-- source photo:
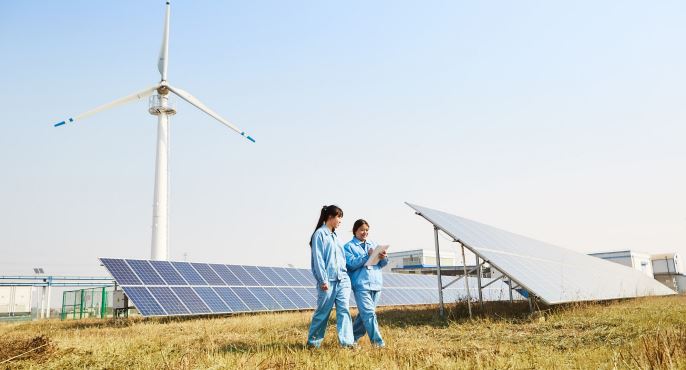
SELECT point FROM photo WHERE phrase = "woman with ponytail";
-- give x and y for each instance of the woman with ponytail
(333, 283)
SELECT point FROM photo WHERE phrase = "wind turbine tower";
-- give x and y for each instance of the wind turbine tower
(160, 107)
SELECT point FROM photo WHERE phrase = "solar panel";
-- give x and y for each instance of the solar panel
(212, 300)
(298, 277)
(242, 275)
(281, 298)
(189, 273)
(287, 277)
(145, 272)
(249, 299)
(168, 273)
(120, 271)
(552, 273)
(297, 298)
(226, 274)
(191, 300)
(161, 288)
(169, 301)
(259, 277)
(231, 299)
(266, 299)
(147, 305)
(208, 274)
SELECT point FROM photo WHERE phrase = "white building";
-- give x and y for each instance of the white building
(423, 261)
(636, 260)
(669, 270)
(667, 263)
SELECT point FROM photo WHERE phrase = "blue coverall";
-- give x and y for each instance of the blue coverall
(328, 265)
(367, 282)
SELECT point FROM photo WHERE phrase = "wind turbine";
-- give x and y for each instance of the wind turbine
(159, 106)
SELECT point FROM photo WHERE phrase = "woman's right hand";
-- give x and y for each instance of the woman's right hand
(324, 287)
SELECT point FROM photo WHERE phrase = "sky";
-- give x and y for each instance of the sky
(562, 121)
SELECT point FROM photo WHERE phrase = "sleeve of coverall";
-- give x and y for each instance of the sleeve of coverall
(352, 261)
(319, 267)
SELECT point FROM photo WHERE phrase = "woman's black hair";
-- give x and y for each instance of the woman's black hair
(358, 224)
(326, 213)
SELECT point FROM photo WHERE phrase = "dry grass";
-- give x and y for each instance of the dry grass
(647, 333)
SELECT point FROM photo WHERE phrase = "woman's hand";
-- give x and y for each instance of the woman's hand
(324, 287)
(382, 255)
(370, 251)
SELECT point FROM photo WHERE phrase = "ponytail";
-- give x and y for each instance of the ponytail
(326, 213)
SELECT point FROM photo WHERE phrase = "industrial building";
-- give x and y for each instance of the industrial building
(423, 261)
(666, 268)
(637, 260)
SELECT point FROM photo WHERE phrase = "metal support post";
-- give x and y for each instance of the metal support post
(509, 284)
(441, 309)
(531, 301)
(478, 281)
(466, 283)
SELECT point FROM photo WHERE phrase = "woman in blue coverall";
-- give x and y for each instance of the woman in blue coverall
(333, 283)
(367, 282)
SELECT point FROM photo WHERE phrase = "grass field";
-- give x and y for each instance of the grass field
(639, 333)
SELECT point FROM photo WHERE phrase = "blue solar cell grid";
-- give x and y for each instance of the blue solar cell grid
(260, 277)
(226, 275)
(208, 274)
(145, 303)
(249, 299)
(211, 298)
(120, 271)
(231, 299)
(188, 272)
(243, 275)
(282, 298)
(145, 272)
(266, 299)
(191, 300)
(168, 273)
(168, 300)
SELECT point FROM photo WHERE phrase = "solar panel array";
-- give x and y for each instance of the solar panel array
(554, 274)
(163, 288)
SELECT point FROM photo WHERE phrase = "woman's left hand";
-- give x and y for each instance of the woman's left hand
(382, 255)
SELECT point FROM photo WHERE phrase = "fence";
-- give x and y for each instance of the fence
(82, 303)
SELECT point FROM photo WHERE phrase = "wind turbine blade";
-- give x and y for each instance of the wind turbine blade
(198, 104)
(127, 99)
(164, 50)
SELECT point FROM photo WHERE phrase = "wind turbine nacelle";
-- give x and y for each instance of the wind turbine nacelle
(161, 104)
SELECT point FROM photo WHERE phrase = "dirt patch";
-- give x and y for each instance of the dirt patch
(37, 348)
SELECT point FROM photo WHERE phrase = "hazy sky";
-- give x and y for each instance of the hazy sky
(563, 121)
